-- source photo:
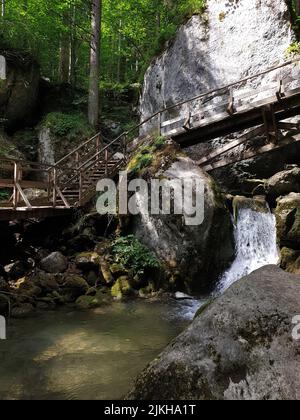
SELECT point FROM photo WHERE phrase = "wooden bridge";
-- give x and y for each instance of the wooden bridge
(71, 182)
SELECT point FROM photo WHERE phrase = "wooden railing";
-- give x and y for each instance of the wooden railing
(71, 181)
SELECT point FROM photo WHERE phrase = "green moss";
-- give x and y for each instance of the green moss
(70, 126)
(145, 156)
(293, 49)
(121, 288)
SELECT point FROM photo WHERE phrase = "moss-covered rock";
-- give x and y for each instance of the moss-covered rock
(288, 221)
(95, 301)
(73, 287)
(290, 260)
(182, 248)
(121, 288)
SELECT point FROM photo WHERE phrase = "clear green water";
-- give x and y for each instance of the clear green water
(85, 355)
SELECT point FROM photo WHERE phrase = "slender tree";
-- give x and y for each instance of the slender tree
(93, 108)
(64, 62)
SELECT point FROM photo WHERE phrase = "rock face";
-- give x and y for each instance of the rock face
(210, 51)
(19, 92)
(194, 256)
(240, 347)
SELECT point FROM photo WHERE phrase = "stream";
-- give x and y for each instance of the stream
(86, 355)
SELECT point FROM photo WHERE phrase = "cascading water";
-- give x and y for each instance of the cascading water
(255, 242)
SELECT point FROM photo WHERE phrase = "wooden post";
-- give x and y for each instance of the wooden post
(106, 162)
(230, 108)
(80, 188)
(54, 186)
(77, 159)
(159, 123)
(16, 192)
(125, 147)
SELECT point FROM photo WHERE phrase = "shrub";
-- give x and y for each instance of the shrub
(131, 254)
(68, 125)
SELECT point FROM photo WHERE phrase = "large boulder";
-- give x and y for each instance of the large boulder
(54, 263)
(19, 92)
(184, 250)
(239, 347)
(209, 52)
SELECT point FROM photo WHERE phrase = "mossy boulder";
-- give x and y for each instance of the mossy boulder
(181, 247)
(105, 270)
(73, 287)
(25, 288)
(122, 288)
(288, 221)
(23, 310)
(93, 301)
(290, 260)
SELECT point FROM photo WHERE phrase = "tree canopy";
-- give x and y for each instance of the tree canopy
(58, 34)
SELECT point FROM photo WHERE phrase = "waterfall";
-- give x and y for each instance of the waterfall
(255, 242)
(46, 150)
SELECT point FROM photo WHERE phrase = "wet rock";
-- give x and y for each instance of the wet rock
(240, 347)
(87, 261)
(89, 302)
(74, 286)
(290, 260)
(54, 263)
(23, 311)
(26, 289)
(47, 282)
(122, 288)
(105, 270)
(283, 183)
(288, 221)
(15, 270)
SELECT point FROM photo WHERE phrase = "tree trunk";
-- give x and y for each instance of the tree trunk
(73, 64)
(93, 112)
(2, 8)
(64, 62)
(297, 7)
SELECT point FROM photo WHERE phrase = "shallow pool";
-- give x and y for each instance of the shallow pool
(86, 355)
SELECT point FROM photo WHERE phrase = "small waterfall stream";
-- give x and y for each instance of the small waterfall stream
(256, 246)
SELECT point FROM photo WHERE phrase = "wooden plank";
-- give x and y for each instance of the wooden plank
(6, 183)
(34, 185)
(249, 154)
(231, 145)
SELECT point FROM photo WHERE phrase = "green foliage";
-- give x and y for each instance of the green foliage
(294, 49)
(70, 126)
(134, 256)
(145, 155)
(295, 17)
(132, 32)
(4, 195)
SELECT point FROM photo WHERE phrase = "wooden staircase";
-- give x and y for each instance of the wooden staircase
(70, 183)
